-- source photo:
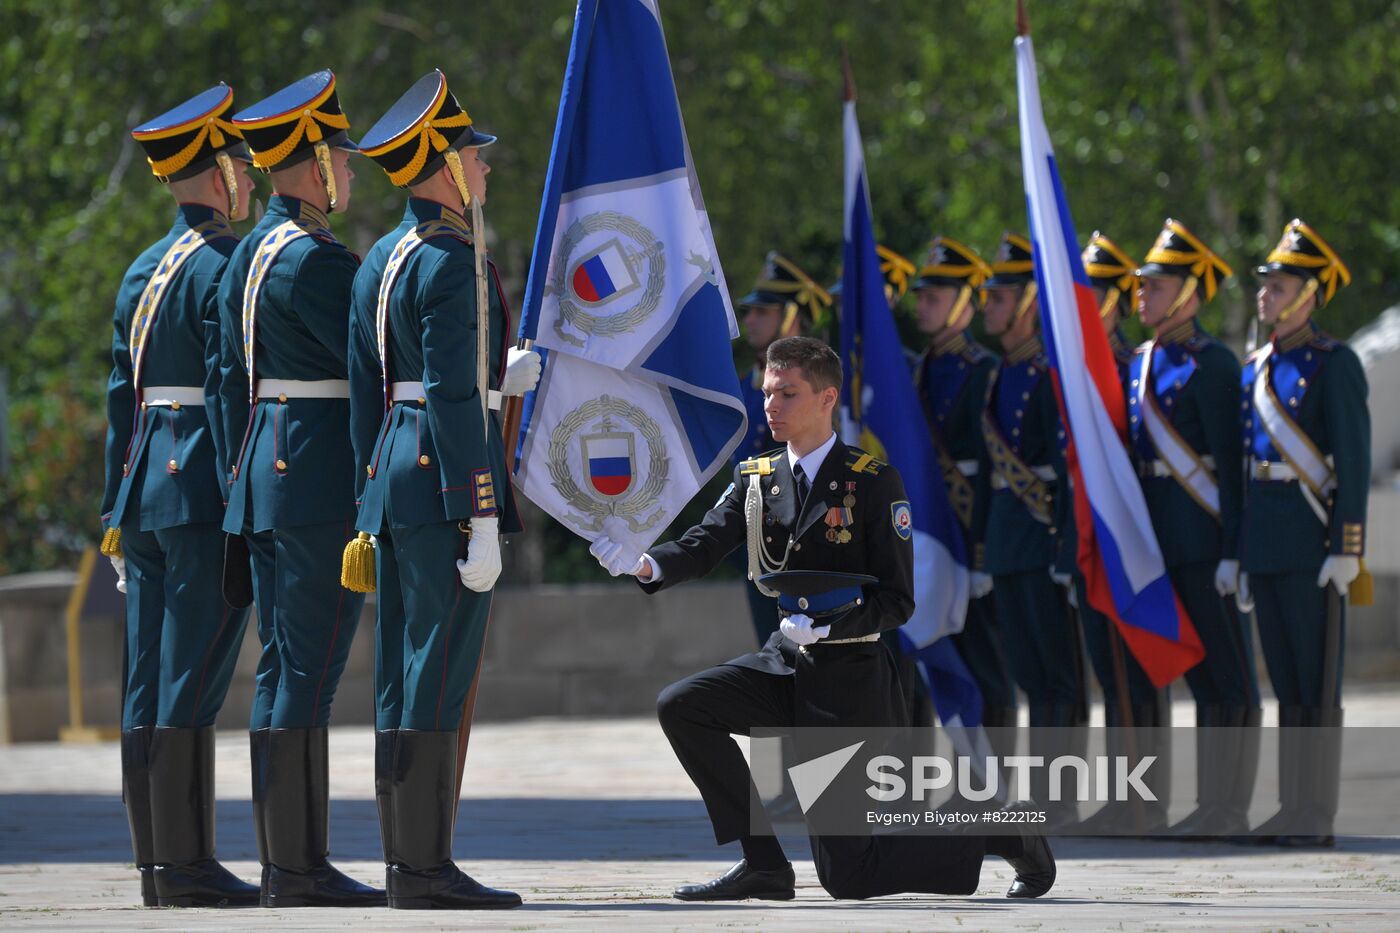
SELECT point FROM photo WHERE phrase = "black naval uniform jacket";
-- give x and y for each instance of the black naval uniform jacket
(850, 682)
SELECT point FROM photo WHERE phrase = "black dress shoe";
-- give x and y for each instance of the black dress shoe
(148, 885)
(1035, 867)
(1327, 841)
(742, 882)
(446, 887)
(204, 883)
(322, 886)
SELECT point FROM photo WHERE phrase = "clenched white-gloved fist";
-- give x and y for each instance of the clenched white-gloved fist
(1244, 599)
(615, 558)
(799, 631)
(119, 565)
(1339, 571)
(522, 372)
(483, 564)
(1061, 579)
(981, 584)
(1227, 577)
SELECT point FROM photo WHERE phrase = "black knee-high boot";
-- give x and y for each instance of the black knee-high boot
(182, 824)
(136, 794)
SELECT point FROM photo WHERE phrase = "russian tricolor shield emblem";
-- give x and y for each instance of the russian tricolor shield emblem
(605, 273)
(609, 461)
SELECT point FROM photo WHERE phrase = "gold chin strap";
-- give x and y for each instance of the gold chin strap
(459, 176)
(1027, 299)
(230, 181)
(323, 159)
(789, 317)
(1110, 301)
(1188, 288)
(963, 302)
(1309, 289)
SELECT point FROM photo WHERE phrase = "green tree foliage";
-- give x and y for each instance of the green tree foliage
(1230, 115)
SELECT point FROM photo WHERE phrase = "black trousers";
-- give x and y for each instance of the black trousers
(701, 714)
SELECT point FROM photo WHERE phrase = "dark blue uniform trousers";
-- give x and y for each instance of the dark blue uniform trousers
(431, 629)
(1292, 613)
(181, 637)
(1041, 644)
(306, 622)
(1226, 676)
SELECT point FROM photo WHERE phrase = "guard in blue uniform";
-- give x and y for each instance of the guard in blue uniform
(1113, 275)
(163, 503)
(952, 375)
(784, 302)
(1308, 440)
(434, 486)
(1022, 454)
(1183, 392)
(285, 309)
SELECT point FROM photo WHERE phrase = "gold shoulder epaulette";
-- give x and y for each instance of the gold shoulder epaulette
(761, 466)
(864, 463)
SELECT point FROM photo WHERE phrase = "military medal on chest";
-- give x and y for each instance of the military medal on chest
(839, 518)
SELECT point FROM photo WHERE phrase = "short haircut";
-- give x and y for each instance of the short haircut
(819, 363)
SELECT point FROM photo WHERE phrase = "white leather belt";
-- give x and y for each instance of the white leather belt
(967, 467)
(413, 392)
(1275, 471)
(172, 396)
(1160, 470)
(283, 389)
(1045, 473)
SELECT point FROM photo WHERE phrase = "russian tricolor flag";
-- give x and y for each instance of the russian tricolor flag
(1118, 551)
(603, 275)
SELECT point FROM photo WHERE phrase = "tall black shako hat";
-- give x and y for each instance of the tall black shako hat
(894, 268)
(1302, 252)
(783, 283)
(301, 121)
(1179, 252)
(1112, 269)
(411, 141)
(187, 139)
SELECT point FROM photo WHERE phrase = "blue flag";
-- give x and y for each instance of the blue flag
(882, 414)
(638, 404)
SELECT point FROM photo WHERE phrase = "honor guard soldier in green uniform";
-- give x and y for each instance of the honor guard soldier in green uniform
(1022, 451)
(1183, 393)
(784, 302)
(1113, 275)
(285, 306)
(428, 367)
(952, 375)
(1308, 440)
(833, 511)
(164, 501)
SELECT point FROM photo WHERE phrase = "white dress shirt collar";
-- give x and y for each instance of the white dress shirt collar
(813, 461)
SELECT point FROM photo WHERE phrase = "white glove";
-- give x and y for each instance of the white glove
(119, 565)
(483, 564)
(522, 372)
(1244, 599)
(615, 558)
(1339, 571)
(1227, 577)
(981, 584)
(1061, 579)
(799, 631)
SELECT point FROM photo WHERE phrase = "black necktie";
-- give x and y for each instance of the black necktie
(804, 485)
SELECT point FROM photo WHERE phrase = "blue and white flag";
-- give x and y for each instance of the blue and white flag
(881, 413)
(638, 404)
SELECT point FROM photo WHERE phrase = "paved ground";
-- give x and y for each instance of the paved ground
(594, 823)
